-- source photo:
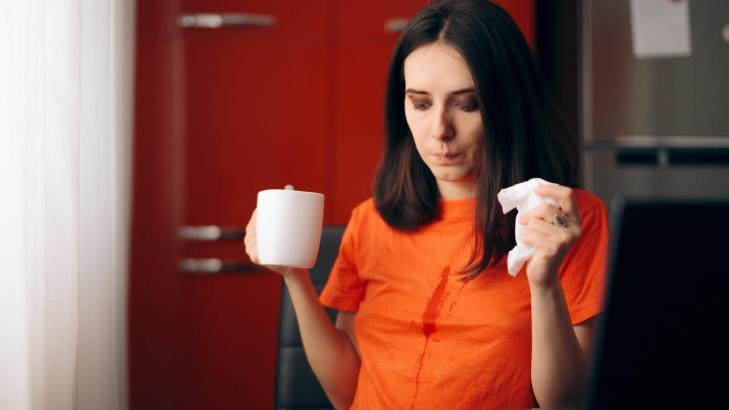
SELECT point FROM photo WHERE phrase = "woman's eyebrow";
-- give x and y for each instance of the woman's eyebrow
(461, 91)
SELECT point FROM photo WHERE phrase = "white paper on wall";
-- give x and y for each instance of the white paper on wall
(660, 28)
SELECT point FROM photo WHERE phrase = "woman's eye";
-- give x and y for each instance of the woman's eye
(468, 106)
(421, 105)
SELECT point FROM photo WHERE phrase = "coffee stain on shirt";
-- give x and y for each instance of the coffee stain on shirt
(430, 320)
(432, 310)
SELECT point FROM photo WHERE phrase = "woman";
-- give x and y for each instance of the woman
(428, 315)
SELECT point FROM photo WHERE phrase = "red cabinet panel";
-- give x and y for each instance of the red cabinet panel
(255, 118)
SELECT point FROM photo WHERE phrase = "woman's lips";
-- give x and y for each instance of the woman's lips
(446, 158)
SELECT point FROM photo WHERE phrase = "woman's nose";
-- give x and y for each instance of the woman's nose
(442, 128)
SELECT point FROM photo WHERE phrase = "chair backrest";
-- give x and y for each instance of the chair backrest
(658, 343)
(296, 385)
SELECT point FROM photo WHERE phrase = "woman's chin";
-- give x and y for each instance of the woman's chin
(453, 177)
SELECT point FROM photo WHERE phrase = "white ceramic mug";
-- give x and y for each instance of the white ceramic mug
(288, 227)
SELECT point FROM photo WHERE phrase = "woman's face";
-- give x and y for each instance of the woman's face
(444, 117)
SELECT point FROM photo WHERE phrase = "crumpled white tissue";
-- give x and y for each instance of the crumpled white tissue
(522, 197)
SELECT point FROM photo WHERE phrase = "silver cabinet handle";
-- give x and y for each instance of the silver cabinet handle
(210, 233)
(395, 25)
(218, 20)
(213, 265)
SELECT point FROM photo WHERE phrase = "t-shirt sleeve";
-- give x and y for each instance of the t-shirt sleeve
(583, 272)
(344, 290)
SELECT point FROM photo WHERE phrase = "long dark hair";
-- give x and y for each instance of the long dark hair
(525, 135)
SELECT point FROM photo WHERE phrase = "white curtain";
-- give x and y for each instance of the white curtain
(65, 127)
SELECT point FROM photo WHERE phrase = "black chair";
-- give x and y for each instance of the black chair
(296, 385)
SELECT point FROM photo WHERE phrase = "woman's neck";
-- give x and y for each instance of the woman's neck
(454, 190)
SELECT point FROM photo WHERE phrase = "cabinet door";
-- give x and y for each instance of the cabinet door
(255, 119)
(245, 109)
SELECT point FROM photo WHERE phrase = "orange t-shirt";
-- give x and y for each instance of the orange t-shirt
(429, 340)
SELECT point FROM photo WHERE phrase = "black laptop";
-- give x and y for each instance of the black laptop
(662, 341)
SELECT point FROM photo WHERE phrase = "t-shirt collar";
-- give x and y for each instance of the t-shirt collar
(457, 208)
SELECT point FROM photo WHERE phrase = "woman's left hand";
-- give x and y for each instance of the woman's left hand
(552, 230)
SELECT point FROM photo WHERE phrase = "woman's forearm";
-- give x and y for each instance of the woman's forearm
(331, 355)
(559, 366)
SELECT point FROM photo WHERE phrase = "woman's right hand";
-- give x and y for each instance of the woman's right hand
(251, 247)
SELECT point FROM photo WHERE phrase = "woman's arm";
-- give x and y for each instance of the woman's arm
(329, 349)
(559, 349)
(331, 354)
